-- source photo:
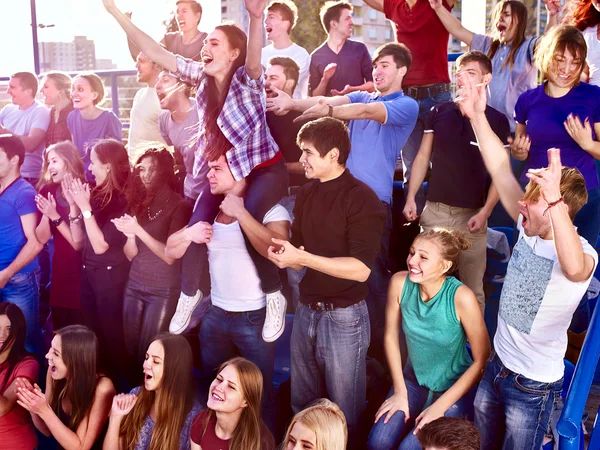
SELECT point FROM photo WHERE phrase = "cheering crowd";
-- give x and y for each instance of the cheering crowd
(259, 181)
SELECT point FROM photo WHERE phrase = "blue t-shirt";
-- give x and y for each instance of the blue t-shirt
(376, 146)
(86, 132)
(16, 200)
(544, 117)
(353, 61)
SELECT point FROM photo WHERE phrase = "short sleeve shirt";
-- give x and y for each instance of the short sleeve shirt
(376, 146)
(508, 81)
(544, 117)
(458, 175)
(242, 119)
(20, 122)
(354, 66)
(300, 56)
(16, 200)
(420, 29)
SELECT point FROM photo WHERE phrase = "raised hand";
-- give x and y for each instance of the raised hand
(553, 7)
(122, 404)
(255, 7)
(109, 5)
(65, 184)
(397, 402)
(81, 194)
(435, 4)
(580, 132)
(471, 98)
(519, 146)
(47, 206)
(280, 102)
(329, 71)
(549, 178)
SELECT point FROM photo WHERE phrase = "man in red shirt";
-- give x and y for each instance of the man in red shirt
(428, 81)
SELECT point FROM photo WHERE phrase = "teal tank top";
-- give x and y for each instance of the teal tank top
(435, 338)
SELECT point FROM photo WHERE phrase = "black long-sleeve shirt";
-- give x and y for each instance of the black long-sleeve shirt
(342, 217)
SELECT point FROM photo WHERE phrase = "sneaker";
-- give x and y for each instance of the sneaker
(183, 314)
(275, 319)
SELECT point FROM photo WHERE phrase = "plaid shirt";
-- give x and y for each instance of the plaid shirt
(242, 119)
(58, 131)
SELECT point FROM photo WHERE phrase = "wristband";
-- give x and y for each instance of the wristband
(560, 200)
(57, 222)
(330, 112)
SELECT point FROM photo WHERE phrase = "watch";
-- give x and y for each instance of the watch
(57, 222)
(87, 214)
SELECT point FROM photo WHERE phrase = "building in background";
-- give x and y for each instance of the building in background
(105, 64)
(79, 54)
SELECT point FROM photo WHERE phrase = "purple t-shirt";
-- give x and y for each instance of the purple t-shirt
(544, 117)
(86, 132)
(17, 200)
(354, 66)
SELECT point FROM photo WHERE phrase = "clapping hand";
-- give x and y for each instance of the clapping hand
(127, 225)
(33, 400)
(122, 404)
(47, 206)
(81, 194)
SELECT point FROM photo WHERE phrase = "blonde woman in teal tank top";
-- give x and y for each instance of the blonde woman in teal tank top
(439, 315)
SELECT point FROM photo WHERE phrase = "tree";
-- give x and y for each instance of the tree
(309, 32)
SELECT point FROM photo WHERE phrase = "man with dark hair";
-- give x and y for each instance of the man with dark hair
(335, 235)
(460, 192)
(418, 26)
(28, 119)
(19, 270)
(339, 66)
(548, 273)
(449, 433)
(380, 124)
(281, 17)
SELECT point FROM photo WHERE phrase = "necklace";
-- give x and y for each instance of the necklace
(154, 216)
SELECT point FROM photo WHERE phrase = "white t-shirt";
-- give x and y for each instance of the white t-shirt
(143, 131)
(20, 122)
(300, 56)
(593, 54)
(536, 307)
(235, 285)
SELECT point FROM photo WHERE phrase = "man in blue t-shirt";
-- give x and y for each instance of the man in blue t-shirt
(380, 124)
(19, 270)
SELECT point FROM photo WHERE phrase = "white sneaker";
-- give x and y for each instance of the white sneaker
(275, 319)
(183, 314)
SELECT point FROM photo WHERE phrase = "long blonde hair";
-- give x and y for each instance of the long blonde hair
(247, 434)
(173, 403)
(327, 421)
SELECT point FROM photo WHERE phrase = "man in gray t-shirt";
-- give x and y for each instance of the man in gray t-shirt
(27, 119)
(179, 128)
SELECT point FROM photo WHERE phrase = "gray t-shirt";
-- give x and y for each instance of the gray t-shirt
(20, 122)
(183, 136)
(508, 83)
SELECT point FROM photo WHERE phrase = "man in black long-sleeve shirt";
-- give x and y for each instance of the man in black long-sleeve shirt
(335, 235)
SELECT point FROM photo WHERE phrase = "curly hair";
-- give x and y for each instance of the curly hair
(139, 197)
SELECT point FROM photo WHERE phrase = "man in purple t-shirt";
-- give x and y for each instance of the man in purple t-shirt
(339, 66)
(19, 270)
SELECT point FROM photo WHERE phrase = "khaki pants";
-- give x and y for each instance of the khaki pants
(471, 265)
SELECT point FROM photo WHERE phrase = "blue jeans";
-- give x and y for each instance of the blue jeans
(378, 282)
(410, 150)
(328, 355)
(511, 411)
(224, 335)
(266, 187)
(399, 435)
(23, 289)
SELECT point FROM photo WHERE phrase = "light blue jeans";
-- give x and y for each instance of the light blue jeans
(513, 412)
(328, 354)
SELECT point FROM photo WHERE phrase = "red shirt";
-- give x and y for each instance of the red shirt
(423, 33)
(16, 428)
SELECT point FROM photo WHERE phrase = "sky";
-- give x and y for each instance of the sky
(83, 18)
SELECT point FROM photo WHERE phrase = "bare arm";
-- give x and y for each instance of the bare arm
(417, 175)
(347, 111)
(451, 23)
(146, 44)
(113, 441)
(130, 249)
(255, 10)
(33, 140)
(178, 242)
(375, 4)
(283, 102)
(42, 231)
(29, 251)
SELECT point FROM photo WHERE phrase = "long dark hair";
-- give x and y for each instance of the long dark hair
(15, 344)
(518, 11)
(70, 155)
(139, 197)
(80, 355)
(111, 151)
(174, 401)
(582, 14)
(216, 140)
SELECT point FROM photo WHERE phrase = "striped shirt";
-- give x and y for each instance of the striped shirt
(242, 119)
